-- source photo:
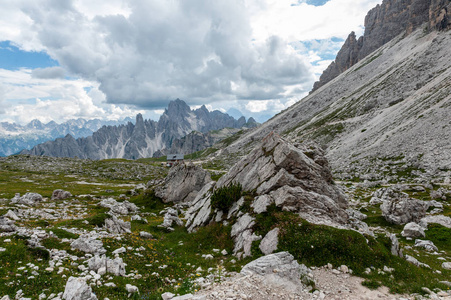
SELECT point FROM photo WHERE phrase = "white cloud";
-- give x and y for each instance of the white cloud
(27, 98)
(148, 52)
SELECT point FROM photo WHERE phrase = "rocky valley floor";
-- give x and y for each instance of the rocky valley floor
(104, 234)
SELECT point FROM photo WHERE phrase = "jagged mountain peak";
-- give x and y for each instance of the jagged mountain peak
(145, 137)
(383, 23)
(390, 108)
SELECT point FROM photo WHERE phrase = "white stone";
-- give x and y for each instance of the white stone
(78, 289)
(269, 243)
(131, 288)
(413, 230)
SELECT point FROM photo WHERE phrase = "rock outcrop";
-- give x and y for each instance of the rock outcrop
(60, 195)
(7, 225)
(88, 244)
(183, 183)
(280, 269)
(382, 24)
(292, 177)
(295, 177)
(78, 289)
(404, 210)
(30, 199)
(119, 208)
(115, 225)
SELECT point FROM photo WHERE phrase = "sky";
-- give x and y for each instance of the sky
(66, 59)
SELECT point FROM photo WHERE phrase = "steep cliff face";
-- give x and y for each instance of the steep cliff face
(382, 24)
(143, 138)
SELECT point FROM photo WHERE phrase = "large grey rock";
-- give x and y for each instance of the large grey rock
(12, 215)
(114, 266)
(30, 199)
(296, 176)
(269, 243)
(171, 218)
(280, 269)
(428, 245)
(183, 183)
(388, 194)
(88, 244)
(416, 262)
(440, 219)
(120, 208)
(198, 214)
(60, 194)
(413, 230)
(243, 236)
(7, 225)
(78, 289)
(115, 225)
(395, 249)
(404, 210)
(446, 265)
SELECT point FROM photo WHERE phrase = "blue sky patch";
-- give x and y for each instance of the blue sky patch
(311, 2)
(12, 58)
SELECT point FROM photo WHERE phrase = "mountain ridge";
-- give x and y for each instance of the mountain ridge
(141, 139)
(390, 109)
(383, 23)
(15, 137)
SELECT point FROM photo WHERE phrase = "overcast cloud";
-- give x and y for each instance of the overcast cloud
(144, 53)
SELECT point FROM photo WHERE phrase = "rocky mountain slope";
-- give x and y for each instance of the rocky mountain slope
(15, 137)
(385, 117)
(382, 24)
(143, 138)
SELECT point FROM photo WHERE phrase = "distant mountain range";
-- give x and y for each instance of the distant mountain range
(15, 137)
(143, 138)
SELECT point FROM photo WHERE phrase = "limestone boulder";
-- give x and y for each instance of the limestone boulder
(7, 225)
(198, 214)
(269, 243)
(78, 289)
(171, 218)
(388, 194)
(404, 210)
(280, 269)
(60, 194)
(88, 244)
(243, 235)
(30, 199)
(438, 219)
(295, 177)
(413, 230)
(119, 208)
(428, 245)
(183, 183)
(115, 225)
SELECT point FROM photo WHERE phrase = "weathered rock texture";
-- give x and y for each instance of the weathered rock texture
(115, 225)
(279, 269)
(404, 210)
(60, 195)
(382, 24)
(78, 289)
(88, 244)
(294, 178)
(30, 199)
(183, 183)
